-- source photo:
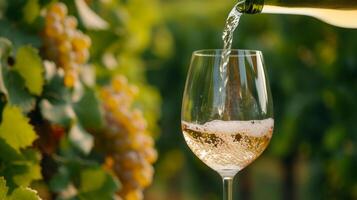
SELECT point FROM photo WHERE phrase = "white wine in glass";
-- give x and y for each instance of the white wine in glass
(227, 120)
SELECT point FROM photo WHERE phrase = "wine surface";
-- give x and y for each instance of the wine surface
(228, 146)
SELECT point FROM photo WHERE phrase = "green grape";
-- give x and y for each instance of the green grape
(70, 22)
(51, 18)
(130, 160)
(65, 47)
(54, 30)
(128, 140)
(117, 197)
(70, 77)
(80, 42)
(59, 8)
(68, 34)
(64, 44)
(82, 56)
(134, 195)
(144, 176)
(128, 180)
(150, 155)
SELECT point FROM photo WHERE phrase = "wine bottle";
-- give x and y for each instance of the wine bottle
(342, 13)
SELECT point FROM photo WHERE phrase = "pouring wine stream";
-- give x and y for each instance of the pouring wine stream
(232, 23)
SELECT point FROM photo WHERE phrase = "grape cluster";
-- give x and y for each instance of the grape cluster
(129, 146)
(67, 46)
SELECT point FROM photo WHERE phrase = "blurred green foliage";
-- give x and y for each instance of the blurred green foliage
(52, 148)
(312, 68)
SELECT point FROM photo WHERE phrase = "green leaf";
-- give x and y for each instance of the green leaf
(60, 181)
(3, 188)
(17, 94)
(16, 34)
(60, 113)
(31, 11)
(15, 128)
(92, 179)
(23, 193)
(97, 184)
(19, 168)
(81, 139)
(101, 40)
(11, 83)
(55, 90)
(32, 173)
(44, 3)
(88, 110)
(29, 65)
(8, 154)
(33, 168)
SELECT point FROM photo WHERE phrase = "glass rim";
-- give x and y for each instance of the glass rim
(234, 52)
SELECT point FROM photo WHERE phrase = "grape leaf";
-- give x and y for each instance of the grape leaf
(81, 139)
(15, 129)
(29, 65)
(60, 113)
(31, 11)
(16, 34)
(14, 9)
(92, 174)
(97, 184)
(33, 173)
(11, 83)
(60, 181)
(55, 91)
(20, 193)
(23, 193)
(88, 110)
(101, 40)
(17, 94)
(33, 169)
(8, 154)
(3, 188)
(13, 164)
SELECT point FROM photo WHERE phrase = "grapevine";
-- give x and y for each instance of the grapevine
(67, 46)
(50, 110)
(130, 149)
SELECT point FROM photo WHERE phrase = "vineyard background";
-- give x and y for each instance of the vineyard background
(78, 120)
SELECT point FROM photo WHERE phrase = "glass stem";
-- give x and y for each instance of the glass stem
(227, 188)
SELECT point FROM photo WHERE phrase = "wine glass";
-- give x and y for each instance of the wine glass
(227, 110)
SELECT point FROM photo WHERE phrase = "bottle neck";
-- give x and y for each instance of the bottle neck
(256, 6)
(251, 6)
